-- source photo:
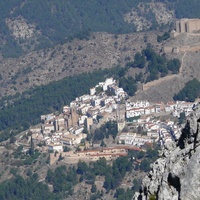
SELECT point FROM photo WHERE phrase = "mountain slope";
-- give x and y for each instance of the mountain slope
(28, 25)
(102, 50)
(33, 25)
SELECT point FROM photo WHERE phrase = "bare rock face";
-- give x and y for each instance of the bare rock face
(20, 28)
(137, 17)
(176, 174)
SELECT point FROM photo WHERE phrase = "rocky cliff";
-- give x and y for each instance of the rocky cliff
(176, 174)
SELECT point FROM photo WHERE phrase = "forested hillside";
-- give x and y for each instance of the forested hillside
(53, 22)
(64, 178)
(187, 9)
(59, 21)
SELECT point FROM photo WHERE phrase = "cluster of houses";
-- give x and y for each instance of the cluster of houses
(155, 130)
(89, 111)
(151, 130)
(82, 115)
(140, 108)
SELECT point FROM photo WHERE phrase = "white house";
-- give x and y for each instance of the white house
(96, 101)
(137, 104)
(169, 107)
(78, 130)
(55, 147)
(152, 133)
(92, 91)
(159, 107)
(148, 110)
(143, 119)
(134, 112)
(107, 100)
(82, 120)
(47, 128)
(134, 139)
(72, 139)
(108, 109)
(108, 81)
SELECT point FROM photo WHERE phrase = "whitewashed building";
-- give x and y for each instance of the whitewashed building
(55, 147)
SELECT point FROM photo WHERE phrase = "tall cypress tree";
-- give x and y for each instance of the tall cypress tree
(31, 150)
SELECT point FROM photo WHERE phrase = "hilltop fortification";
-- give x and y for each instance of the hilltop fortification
(188, 25)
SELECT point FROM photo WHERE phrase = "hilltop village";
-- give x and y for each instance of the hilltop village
(138, 123)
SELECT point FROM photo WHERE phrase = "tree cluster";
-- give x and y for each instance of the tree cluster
(187, 9)
(158, 65)
(19, 188)
(139, 61)
(107, 129)
(62, 179)
(129, 85)
(146, 158)
(155, 65)
(113, 174)
(122, 194)
(163, 37)
(190, 92)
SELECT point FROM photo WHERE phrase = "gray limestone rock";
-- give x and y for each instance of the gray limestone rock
(176, 174)
(190, 182)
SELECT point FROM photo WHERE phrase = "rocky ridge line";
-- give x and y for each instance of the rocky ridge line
(176, 174)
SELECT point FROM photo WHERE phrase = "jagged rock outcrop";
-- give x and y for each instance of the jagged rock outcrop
(176, 174)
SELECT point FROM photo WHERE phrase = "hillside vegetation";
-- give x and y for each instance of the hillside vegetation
(32, 25)
(184, 8)
(58, 21)
(187, 9)
(190, 91)
(63, 179)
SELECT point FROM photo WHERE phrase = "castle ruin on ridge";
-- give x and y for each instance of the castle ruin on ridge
(187, 25)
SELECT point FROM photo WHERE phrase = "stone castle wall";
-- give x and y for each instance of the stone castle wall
(188, 25)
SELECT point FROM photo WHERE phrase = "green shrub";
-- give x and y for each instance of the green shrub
(152, 197)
